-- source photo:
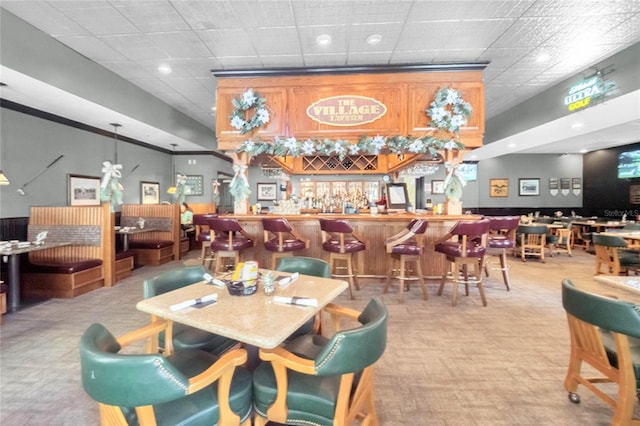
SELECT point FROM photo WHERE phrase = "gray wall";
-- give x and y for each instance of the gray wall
(29, 143)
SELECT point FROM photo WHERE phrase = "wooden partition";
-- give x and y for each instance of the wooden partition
(165, 217)
(202, 208)
(88, 228)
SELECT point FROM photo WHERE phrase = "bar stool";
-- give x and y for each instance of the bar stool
(404, 247)
(467, 250)
(501, 237)
(203, 234)
(228, 239)
(281, 239)
(341, 243)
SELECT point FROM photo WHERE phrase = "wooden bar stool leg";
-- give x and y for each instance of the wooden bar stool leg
(387, 282)
(503, 266)
(402, 277)
(425, 295)
(478, 270)
(456, 283)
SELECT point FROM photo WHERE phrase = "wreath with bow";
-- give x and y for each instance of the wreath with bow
(249, 101)
(448, 111)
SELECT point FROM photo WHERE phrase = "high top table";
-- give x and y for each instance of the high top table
(13, 276)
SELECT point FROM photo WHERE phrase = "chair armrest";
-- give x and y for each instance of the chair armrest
(442, 239)
(283, 357)
(298, 236)
(150, 330)
(247, 236)
(338, 312)
(402, 237)
(226, 364)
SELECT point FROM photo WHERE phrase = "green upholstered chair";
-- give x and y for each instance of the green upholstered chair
(604, 335)
(532, 241)
(190, 387)
(612, 252)
(186, 337)
(332, 383)
(306, 266)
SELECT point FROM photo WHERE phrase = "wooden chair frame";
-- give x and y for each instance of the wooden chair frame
(352, 405)
(609, 256)
(587, 347)
(532, 245)
(222, 372)
(402, 259)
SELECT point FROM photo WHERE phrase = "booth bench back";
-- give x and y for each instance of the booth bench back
(89, 229)
(163, 217)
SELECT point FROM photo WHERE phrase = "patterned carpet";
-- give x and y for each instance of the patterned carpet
(503, 364)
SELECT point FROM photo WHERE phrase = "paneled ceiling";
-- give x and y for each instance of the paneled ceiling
(530, 44)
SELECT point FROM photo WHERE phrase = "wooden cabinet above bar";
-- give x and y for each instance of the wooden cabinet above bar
(405, 95)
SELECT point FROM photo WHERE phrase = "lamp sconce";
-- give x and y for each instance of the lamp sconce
(4, 180)
(21, 190)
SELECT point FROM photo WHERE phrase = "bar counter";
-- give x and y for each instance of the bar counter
(373, 229)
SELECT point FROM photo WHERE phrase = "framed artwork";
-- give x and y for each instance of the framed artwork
(529, 186)
(267, 191)
(553, 183)
(576, 183)
(83, 190)
(193, 186)
(565, 183)
(149, 192)
(397, 195)
(634, 194)
(437, 187)
(499, 187)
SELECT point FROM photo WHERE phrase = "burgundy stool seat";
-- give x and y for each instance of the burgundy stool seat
(468, 249)
(228, 239)
(501, 237)
(404, 247)
(281, 239)
(340, 241)
(203, 235)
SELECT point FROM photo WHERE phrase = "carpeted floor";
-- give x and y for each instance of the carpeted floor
(503, 364)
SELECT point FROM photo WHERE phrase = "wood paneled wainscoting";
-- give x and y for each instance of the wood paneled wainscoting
(374, 261)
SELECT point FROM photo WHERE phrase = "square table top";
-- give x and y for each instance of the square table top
(8, 250)
(255, 319)
(621, 287)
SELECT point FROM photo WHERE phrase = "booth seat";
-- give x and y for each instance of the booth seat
(162, 243)
(124, 264)
(3, 300)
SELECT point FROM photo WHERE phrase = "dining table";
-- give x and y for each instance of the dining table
(617, 286)
(12, 253)
(126, 231)
(257, 320)
(598, 227)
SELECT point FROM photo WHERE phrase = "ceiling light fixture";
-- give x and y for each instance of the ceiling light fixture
(374, 39)
(543, 57)
(576, 125)
(173, 189)
(164, 69)
(323, 40)
(115, 140)
(3, 179)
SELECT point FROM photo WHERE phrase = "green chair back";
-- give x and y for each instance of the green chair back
(608, 240)
(126, 380)
(305, 265)
(172, 280)
(352, 350)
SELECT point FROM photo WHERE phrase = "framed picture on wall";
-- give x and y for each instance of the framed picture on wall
(437, 187)
(529, 186)
(267, 191)
(193, 186)
(83, 190)
(499, 187)
(149, 192)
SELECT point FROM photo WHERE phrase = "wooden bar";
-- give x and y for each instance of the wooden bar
(374, 261)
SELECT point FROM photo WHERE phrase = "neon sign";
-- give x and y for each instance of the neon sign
(587, 91)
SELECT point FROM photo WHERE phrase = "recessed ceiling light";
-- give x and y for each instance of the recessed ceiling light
(577, 125)
(511, 145)
(374, 39)
(213, 108)
(164, 69)
(323, 39)
(583, 151)
(543, 57)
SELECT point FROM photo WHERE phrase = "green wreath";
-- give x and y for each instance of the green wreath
(249, 100)
(448, 111)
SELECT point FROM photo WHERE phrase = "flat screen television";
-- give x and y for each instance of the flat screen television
(629, 164)
(468, 171)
